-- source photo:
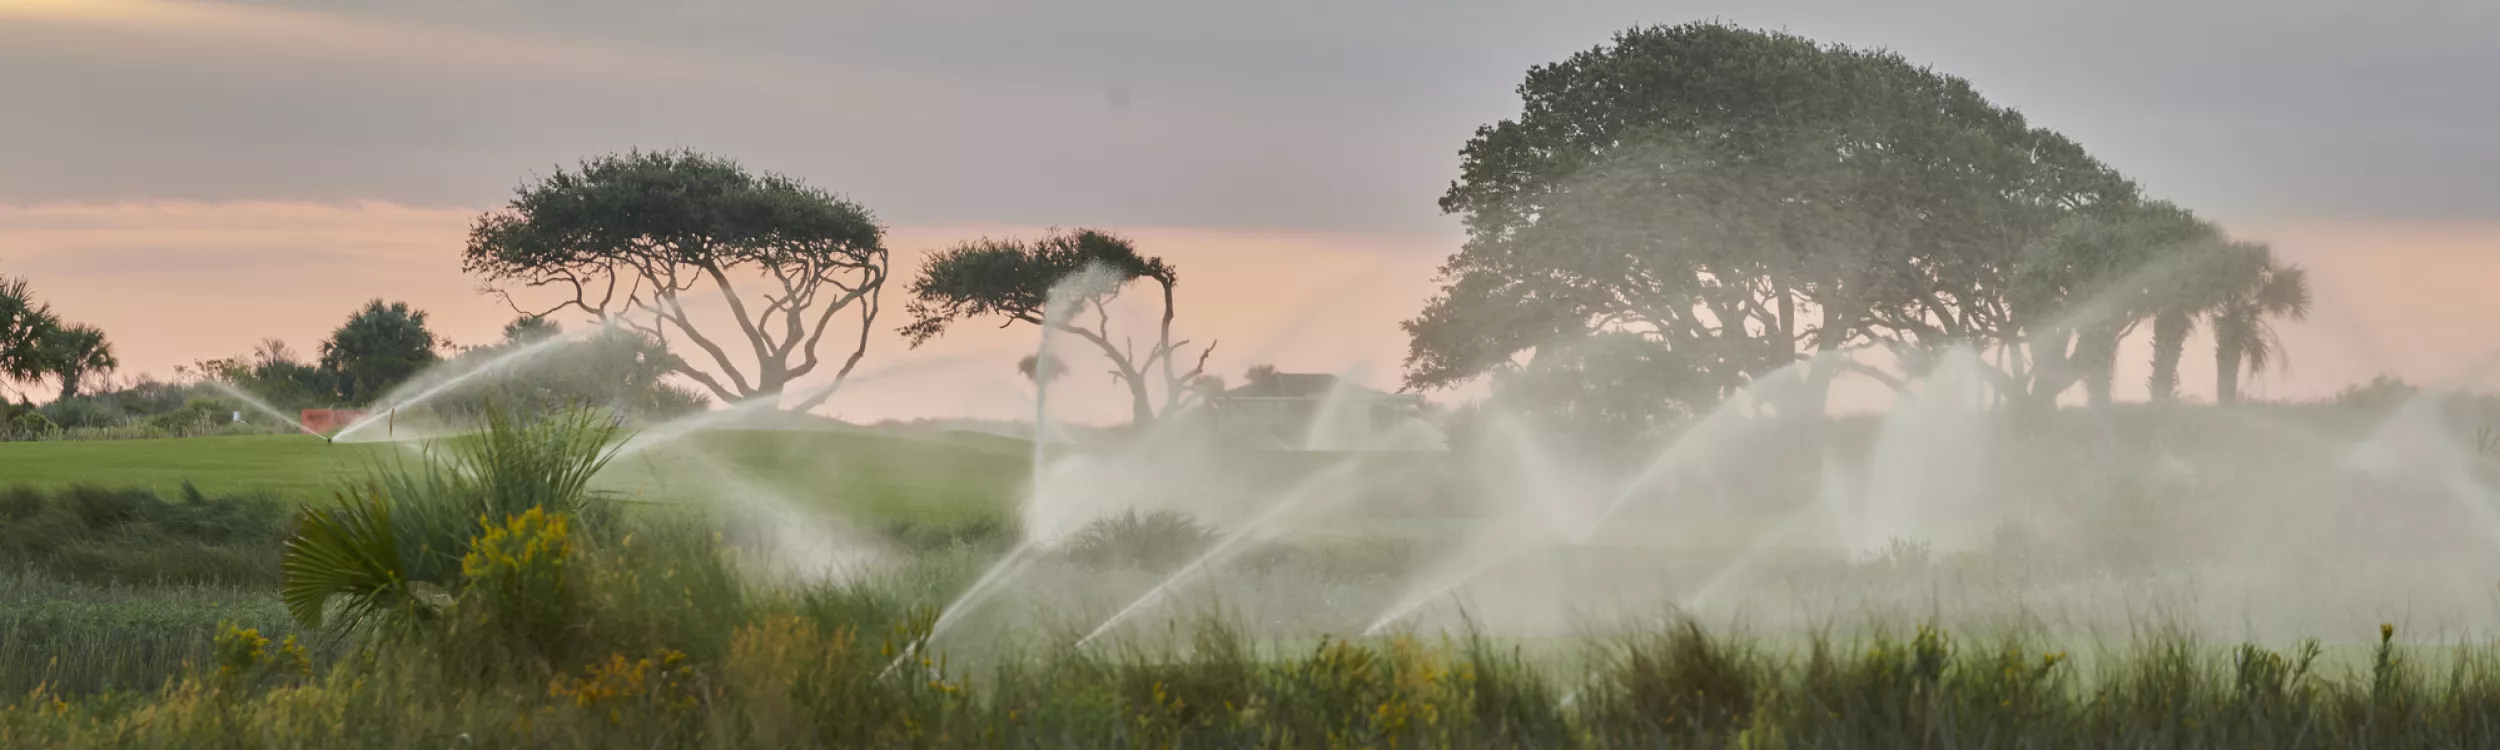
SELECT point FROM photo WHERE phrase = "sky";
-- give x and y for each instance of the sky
(197, 176)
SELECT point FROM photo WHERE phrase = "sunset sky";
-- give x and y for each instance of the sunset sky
(194, 177)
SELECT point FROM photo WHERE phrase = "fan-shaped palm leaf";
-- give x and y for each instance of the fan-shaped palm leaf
(349, 552)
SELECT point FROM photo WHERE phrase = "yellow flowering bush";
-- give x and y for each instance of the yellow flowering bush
(518, 576)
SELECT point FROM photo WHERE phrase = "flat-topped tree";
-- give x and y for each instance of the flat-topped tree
(625, 237)
(1012, 279)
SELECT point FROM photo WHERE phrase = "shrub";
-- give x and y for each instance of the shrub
(30, 423)
(1160, 540)
(83, 412)
(517, 580)
(400, 548)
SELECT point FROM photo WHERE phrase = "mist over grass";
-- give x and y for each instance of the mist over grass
(2122, 610)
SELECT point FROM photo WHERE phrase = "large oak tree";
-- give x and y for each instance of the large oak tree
(629, 238)
(1744, 199)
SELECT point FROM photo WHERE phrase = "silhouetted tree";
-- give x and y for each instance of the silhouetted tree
(377, 348)
(626, 237)
(1742, 198)
(1260, 375)
(2243, 324)
(25, 324)
(1014, 279)
(1041, 368)
(2097, 277)
(74, 352)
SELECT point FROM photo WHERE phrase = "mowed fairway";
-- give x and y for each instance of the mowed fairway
(861, 474)
(291, 466)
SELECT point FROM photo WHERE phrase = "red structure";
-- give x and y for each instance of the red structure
(326, 421)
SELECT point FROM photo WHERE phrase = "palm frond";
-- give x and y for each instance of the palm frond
(348, 552)
(2285, 292)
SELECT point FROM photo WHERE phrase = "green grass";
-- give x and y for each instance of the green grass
(858, 473)
(291, 466)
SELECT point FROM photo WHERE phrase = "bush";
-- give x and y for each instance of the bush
(1160, 540)
(30, 423)
(197, 413)
(84, 412)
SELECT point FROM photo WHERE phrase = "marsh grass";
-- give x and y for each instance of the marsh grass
(84, 638)
(554, 622)
(660, 646)
(133, 536)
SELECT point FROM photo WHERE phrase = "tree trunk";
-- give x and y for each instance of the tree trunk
(1141, 410)
(2096, 384)
(2170, 332)
(2226, 368)
(69, 385)
(2096, 357)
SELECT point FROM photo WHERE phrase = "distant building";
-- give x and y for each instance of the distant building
(1287, 409)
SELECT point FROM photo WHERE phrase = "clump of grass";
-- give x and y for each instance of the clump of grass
(988, 533)
(1160, 540)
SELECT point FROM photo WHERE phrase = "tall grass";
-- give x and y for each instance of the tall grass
(83, 638)
(134, 536)
(548, 621)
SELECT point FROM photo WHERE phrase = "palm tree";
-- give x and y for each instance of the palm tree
(2244, 329)
(74, 352)
(2197, 291)
(25, 324)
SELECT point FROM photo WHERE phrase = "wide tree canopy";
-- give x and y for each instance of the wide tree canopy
(1015, 280)
(1745, 199)
(627, 238)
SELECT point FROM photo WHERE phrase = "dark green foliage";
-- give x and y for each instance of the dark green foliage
(376, 349)
(87, 533)
(387, 549)
(75, 351)
(1013, 280)
(83, 412)
(347, 553)
(1733, 200)
(25, 324)
(628, 233)
(196, 413)
(1161, 540)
